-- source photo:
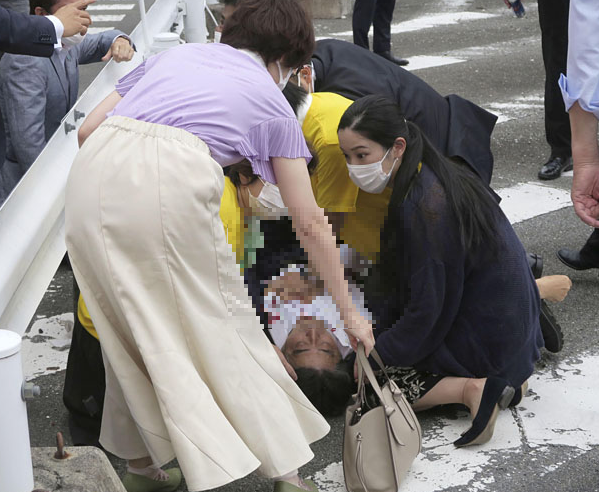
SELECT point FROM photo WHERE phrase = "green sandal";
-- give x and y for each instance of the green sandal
(289, 487)
(139, 483)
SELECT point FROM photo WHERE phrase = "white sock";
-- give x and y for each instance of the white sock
(151, 471)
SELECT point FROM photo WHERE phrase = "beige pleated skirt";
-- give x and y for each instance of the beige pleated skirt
(189, 372)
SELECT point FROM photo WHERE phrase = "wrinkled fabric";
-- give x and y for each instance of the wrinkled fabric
(189, 372)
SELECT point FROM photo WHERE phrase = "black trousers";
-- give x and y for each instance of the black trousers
(553, 18)
(376, 13)
(84, 384)
(590, 251)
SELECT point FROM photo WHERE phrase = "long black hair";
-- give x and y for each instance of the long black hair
(382, 121)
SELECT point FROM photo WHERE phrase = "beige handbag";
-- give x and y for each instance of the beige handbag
(380, 443)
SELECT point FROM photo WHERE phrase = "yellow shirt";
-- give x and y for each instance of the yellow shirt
(333, 189)
(233, 221)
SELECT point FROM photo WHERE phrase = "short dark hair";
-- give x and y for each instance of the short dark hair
(328, 390)
(230, 3)
(243, 168)
(45, 4)
(275, 29)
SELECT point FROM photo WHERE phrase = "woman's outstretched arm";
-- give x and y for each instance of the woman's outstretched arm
(316, 238)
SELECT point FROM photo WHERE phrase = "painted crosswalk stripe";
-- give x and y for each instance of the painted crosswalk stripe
(538, 422)
(422, 62)
(517, 108)
(97, 30)
(428, 22)
(108, 18)
(111, 6)
(527, 200)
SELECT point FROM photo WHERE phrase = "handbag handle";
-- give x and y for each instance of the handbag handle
(364, 369)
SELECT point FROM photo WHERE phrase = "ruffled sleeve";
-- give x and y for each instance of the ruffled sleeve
(126, 83)
(278, 137)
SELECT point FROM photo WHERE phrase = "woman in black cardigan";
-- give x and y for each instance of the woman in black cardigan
(452, 294)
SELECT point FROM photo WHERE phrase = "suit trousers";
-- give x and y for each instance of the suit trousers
(553, 18)
(189, 372)
(590, 251)
(376, 13)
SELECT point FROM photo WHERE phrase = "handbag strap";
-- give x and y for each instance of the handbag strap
(364, 369)
(359, 464)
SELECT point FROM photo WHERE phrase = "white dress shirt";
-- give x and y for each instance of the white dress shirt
(582, 82)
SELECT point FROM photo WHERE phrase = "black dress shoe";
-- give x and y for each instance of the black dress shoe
(554, 168)
(552, 331)
(572, 259)
(497, 395)
(535, 262)
(392, 58)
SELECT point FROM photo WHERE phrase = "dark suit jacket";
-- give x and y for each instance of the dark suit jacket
(457, 127)
(26, 34)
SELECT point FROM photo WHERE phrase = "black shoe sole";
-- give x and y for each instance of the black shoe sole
(552, 331)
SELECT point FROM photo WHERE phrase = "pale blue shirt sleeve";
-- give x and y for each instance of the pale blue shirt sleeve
(582, 82)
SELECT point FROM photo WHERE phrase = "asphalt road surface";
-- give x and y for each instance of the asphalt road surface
(479, 50)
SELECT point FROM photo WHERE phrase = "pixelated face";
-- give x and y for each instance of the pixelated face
(310, 345)
(359, 150)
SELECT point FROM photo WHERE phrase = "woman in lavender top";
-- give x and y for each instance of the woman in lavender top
(189, 372)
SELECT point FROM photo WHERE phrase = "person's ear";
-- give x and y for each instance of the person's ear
(399, 148)
(306, 75)
(40, 11)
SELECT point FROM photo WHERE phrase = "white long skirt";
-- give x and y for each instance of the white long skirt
(189, 372)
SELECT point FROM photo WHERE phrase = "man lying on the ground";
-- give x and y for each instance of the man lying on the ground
(304, 324)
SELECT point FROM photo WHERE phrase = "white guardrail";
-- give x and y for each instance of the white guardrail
(32, 218)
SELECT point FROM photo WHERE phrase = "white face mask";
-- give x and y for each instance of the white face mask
(268, 205)
(370, 177)
(73, 40)
(217, 35)
(283, 80)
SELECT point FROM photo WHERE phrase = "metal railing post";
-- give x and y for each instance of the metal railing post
(195, 21)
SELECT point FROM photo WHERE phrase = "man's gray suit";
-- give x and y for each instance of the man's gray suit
(35, 94)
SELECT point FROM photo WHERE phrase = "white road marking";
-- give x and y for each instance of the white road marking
(108, 18)
(45, 345)
(557, 412)
(421, 62)
(96, 30)
(425, 22)
(527, 200)
(517, 108)
(111, 6)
